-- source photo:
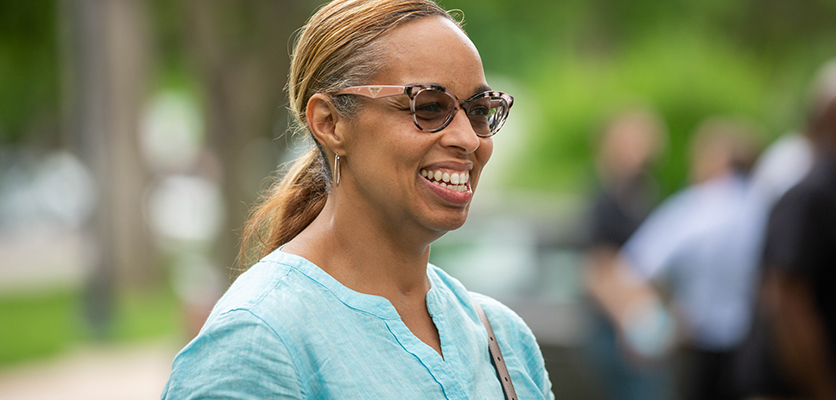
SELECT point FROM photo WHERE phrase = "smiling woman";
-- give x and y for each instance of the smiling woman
(343, 302)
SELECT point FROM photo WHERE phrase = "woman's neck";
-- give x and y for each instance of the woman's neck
(371, 257)
(364, 255)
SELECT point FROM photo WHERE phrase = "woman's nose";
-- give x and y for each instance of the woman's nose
(459, 133)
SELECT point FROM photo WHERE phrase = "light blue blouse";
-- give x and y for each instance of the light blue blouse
(286, 329)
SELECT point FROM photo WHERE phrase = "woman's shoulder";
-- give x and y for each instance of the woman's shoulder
(275, 288)
(235, 351)
(504, 320)
(516, 341)
(251, 286)
(245, 342)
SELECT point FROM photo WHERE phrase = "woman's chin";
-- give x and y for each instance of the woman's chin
(450, 222)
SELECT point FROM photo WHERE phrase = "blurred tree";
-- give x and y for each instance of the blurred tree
(105, 64)
(241, 55)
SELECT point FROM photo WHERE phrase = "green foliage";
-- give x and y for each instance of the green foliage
(29, 69)
(685, 77)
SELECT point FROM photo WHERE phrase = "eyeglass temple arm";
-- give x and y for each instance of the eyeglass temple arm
(374, 91)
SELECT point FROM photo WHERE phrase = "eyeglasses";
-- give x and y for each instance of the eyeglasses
(433, 107)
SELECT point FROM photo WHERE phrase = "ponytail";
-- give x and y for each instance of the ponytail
(287, 208)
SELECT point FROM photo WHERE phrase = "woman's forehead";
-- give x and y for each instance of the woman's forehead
(431, 50)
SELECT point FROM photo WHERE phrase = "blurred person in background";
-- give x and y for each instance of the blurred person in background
(626, 194)
(343, 303)
(782, 165)
(627, 191)
(701, 246)
(800, 260)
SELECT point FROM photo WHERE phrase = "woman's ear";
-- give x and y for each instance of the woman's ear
(322, 120)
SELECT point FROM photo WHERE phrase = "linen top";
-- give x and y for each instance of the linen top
(286, 329)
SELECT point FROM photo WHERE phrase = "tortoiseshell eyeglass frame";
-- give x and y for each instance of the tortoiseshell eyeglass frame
(380, 91)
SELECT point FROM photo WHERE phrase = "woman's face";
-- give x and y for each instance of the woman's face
(392, 165)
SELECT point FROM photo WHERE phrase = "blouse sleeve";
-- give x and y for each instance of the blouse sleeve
(237, 356)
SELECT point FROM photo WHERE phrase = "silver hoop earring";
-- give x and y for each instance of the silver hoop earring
(337, 169)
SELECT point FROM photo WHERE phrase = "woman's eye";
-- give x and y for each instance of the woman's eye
(430, 111)
(429, 107)
(478, 111)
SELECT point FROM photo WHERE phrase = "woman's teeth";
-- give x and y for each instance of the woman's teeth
(454, 181)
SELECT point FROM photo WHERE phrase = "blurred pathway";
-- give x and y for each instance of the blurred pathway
(113, 372)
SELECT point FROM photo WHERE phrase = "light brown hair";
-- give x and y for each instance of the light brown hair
(337, 48)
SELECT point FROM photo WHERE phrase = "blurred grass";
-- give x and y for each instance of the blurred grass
(40, 325)
(144, 315)
(34, 326)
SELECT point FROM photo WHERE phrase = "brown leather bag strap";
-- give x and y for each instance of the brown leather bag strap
(496, 355)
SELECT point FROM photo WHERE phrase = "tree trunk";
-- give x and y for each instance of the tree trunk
(105, 57)
(243, 56)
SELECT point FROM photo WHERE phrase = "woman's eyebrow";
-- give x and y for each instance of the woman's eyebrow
(481, 89)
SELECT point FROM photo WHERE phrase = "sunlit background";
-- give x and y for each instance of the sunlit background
(135, 135)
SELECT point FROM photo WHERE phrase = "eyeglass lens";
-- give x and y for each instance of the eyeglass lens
(433, 110)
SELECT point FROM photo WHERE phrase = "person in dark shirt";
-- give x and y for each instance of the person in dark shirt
(800, 261)
(625, 195)
(626, 192)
